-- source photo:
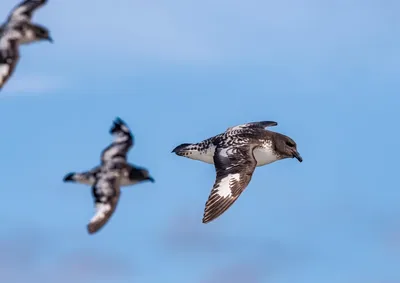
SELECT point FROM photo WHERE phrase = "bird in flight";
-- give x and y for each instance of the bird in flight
(19, 29)
(113, 172)
(235, 155)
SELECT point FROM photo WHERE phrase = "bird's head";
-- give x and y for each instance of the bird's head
(286, 147)
(141, 175)
(42, 33)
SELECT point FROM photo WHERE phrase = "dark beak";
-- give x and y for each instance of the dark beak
(50, 39)
(297, 156)
(151, 179)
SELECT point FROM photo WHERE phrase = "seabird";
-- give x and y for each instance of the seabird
(18, 29)
(235, 154)
(113, 172)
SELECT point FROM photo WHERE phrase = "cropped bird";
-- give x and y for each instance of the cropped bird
(17, 30)
(113, 172)
(235, 154)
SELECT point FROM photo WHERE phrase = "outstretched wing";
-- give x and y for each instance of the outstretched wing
(234, 166)
(87, 178)
(106, 192)
(24, 10)
(123, 141)
(261, 125)
(9, 55)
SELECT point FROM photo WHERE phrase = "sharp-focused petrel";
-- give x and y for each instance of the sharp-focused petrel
(18, 29)
(235, 154)
(113, 172)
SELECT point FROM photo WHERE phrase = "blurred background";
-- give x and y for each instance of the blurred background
(179, 71)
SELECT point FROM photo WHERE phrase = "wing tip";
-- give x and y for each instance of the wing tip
(69, 177)
(266, 124)
(211, 215)
(117, 125)
(118, 120)
(92, 228)
(205, 220)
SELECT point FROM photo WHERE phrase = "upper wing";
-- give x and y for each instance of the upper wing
(261, 125)
(123, 141)
(106, 192)
(24, 10)
(9, 55)
(234, 166)
(87, 178)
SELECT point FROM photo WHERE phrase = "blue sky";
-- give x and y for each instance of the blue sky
(326, 71)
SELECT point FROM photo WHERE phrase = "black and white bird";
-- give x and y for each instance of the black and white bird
(17, 30)
(235, 154)
(113, 173)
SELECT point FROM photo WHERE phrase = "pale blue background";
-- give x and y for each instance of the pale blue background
(182, 71)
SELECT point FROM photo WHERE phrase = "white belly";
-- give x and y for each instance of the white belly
(264, 155)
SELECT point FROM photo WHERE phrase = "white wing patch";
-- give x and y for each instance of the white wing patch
(223, 189)
(225, 152)
(18, 14)
(234, 167)
(101, 211)
(4, 71)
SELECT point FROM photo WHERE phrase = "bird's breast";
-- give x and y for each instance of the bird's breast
(28, 36)
(125, 181)
(264, 155)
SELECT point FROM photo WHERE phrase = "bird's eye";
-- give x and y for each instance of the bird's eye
(288, 143)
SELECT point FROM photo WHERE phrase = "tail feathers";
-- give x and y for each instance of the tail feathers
(180, 149)
(188, 149)
(197, 151)
(87, 178)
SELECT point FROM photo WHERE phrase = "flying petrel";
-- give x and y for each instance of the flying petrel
(235, 154)
(113, 172)
(18, 29)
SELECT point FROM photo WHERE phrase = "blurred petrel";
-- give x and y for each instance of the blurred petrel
(18, 29)
(113, 172)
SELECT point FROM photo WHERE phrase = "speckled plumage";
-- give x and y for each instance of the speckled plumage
(235, 154)
(18, 29)
(113, 172)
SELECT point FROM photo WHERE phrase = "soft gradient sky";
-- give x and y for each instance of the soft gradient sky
(326, 71)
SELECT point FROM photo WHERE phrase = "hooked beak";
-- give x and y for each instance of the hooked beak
(297, 156)
(151, 179)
